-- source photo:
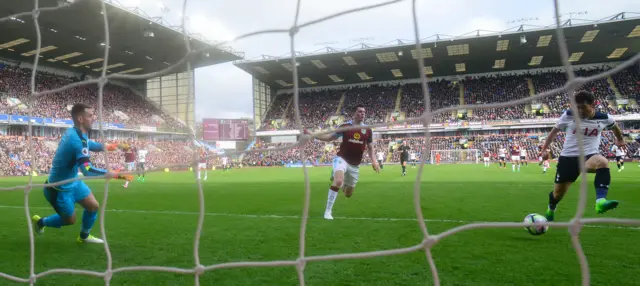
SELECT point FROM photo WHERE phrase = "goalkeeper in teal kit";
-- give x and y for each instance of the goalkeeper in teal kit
(73, 154)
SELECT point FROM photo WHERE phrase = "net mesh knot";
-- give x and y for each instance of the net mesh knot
(199, 269)
(107, 276)
(293, 31)
(575, 226)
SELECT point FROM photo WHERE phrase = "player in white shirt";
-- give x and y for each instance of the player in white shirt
(412, 158)
(502, 157)
(568, 170)
(523, 156)
(142, 158)
(225, 163)
(380, 158)
(620, 153)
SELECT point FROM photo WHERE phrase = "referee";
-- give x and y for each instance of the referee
(404, 156)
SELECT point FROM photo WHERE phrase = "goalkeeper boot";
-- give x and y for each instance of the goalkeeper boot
(550, 214)
(603, 205)
(37, 227)
(90, 239)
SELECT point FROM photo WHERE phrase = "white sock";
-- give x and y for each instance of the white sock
(330, 200)
(518, 167)
(513, 167)
(545, 169)
(205, 175)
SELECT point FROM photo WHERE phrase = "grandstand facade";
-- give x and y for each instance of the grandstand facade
(478, 69)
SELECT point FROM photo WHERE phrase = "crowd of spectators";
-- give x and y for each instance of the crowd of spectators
(121, 105)
(15, 159)
(318, 152)
(380, 100)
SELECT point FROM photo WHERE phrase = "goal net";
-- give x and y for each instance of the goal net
(428, 239)
(460, 156)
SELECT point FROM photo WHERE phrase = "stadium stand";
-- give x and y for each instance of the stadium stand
(317, 107)
(121, 105)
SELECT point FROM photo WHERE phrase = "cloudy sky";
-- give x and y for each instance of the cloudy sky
(224, 91)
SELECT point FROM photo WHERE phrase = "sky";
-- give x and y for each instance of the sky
(224, 91)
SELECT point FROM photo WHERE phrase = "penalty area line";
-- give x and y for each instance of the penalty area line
(274, 216)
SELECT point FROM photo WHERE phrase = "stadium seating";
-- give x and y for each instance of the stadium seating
(380, 100)
(121, 105)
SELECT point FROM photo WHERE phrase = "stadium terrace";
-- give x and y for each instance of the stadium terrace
(71, 53)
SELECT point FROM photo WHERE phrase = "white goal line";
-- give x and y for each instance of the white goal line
(276, 216)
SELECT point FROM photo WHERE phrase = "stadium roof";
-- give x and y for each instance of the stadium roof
(611, 39)
(73, 38)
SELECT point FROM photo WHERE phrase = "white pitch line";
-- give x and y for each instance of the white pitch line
(299, 217)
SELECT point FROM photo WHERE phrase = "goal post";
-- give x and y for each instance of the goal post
(457, 156)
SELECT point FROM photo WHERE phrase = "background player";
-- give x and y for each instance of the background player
(225, 163)
(142, 158)
(129, 158)
(523, 156)
(74, 147)
(413, 159)
(346, 165)
(620, 154)
(545, 165)
(515, 157)
(502, 157)
(380, 157)
(404, 156)
(438, 157)
(568, 170)
(487, 158)
(202, 163)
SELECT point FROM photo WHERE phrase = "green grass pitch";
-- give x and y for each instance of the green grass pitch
(254, 215)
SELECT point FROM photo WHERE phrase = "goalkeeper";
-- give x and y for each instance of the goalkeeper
(73, 154)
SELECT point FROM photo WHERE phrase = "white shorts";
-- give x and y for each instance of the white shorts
(351, 172)
(202, 165)
(486, 159)
(515, 158)
(131, 166)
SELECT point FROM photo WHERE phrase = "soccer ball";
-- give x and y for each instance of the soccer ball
(535, 229)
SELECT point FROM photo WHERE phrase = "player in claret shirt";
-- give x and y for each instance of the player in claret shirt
(346, 165)
(568, 170)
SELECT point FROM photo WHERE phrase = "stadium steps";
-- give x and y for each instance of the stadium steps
(613, 86)
(389, 154)
(532, 89)
(398, 100)
(344, 95)
(527, 109)
(633, 103)
(545, 108)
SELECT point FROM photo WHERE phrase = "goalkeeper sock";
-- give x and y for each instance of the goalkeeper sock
(88, 219)
(331, 199)
(51, 221)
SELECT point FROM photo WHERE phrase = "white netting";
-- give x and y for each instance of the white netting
(429, 240)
